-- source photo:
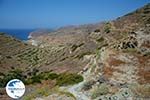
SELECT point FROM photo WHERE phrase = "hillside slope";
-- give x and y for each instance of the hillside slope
(113, 57)
(118, 66)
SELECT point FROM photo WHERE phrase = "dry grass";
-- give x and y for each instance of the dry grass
(115, 62)
(144, 76)
(141, 90)
(108, 72)
(143, 70)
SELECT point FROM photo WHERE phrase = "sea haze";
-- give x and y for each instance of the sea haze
(21, 34)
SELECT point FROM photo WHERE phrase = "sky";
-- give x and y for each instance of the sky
(29, 14)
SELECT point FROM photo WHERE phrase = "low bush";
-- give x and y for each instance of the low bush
(107, 27)
(35, 79)
(88, 85)
(14, 74)
(68, 79)
(48, 75)
(41, 76)
(141, 91)
(100, 90)
(97, 30)
(147, 54)
(61, 79)
(101, 39)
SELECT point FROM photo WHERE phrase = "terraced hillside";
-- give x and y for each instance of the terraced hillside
(10, 48)
(113, 58)
(116, 55)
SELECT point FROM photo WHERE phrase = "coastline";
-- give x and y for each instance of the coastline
(21, 34)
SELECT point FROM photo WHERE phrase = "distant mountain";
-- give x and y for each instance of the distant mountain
(39, 32)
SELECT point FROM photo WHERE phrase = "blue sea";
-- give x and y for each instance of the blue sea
(21, 34)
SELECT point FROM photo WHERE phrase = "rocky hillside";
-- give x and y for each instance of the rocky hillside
(10, 48)
(117, 63)
(113, 58)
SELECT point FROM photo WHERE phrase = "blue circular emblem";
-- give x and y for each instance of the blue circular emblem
(15, 88)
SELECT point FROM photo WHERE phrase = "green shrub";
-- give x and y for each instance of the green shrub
(29, 81)
(68, 79)
(41, 76)
(48, 75)
(130, 50)
(88, 85)
(61, 79)
(14, 74)
(147, 54)
(52, 76)
(107, 27)
(36, 79)
(97, 30)
(101, 90)
(101, 39)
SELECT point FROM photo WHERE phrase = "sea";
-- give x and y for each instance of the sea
(21, 34)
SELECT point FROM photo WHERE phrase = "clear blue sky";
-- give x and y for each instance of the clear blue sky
(56, 13)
